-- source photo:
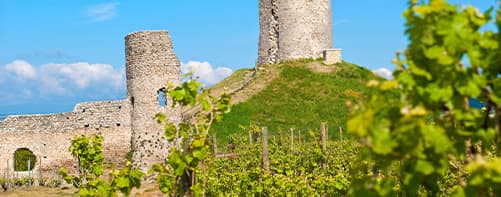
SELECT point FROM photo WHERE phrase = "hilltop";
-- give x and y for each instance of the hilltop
(298, 94)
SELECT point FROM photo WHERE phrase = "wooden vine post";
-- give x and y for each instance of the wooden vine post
(250, 137)
(29, 172)
(292, 139)
(341, 133)
(264, 145)
(7, 171)
(324, 136)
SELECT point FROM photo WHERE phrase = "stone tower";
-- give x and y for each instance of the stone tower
(150, 65)
(292, 29)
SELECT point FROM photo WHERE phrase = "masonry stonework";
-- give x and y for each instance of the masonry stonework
(293, 29)
(150, 65)
(289, 29)
(48, 136)
(332, 56)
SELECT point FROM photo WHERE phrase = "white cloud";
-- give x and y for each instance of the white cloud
(83, 74)
(384, 72)
(101, 12)
(207, 74)
(62, 79)
(51, 85)
(23, 82)
(21, 69)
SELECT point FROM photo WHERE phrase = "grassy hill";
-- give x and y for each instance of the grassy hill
(295, 94)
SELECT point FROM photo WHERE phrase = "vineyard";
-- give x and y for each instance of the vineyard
(415, 135)
(289, 163)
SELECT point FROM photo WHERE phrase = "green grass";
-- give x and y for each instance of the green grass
(237, 76)
(300, 98)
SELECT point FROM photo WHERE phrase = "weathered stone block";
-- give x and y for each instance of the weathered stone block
(332, 56)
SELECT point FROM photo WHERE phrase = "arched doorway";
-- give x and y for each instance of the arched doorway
(24, 158)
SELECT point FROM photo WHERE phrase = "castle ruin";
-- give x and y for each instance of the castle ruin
(125, 124)
(293, 29)
(150, 65)
(289, 29)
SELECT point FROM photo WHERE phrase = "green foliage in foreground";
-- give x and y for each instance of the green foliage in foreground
(440, 144)
(426, 141)
(300, 98)
(89, 153)
(189, 138)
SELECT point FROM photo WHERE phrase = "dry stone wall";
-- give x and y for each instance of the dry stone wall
(293, 29)
(48, 136)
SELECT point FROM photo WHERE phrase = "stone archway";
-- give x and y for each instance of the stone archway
(24, 159)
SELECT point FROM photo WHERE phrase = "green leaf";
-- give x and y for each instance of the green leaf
(122, 182)
(424, 167)
(434, 52)
(199, 142)
(383, 141)
(170, 131)
(206, 106)
(177, 163)
(160, 117)
(360, 123)
(200, 153)
(84, 192)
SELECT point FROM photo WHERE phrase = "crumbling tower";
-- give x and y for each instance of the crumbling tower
(150, 65)
(293, 29)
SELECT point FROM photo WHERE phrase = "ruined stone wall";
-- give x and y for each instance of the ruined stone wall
(125, 124)
(48, 136)
(150, 65)
(293, 29)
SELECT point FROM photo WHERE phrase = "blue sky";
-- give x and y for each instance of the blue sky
(55, 53)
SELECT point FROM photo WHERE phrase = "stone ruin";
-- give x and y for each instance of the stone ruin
(125, 124)
(150, 65)
(293, 29)
(289, 29)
